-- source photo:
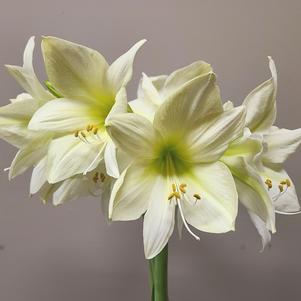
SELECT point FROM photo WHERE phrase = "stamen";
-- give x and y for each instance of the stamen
(288, 182)
(102, 177)
(184, 221)
(280, 188)
(95, 131)
(83, 135)
(174, 187)
(95, 178)
(197, 196)
(76, 133)
(268, 182)
(89, 127)
(182, 188)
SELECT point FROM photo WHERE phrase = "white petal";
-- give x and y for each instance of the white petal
(143, 107)
(262, 229)
(65, 115)
(74, 70)
(183, 75)
(26, 77)
(251, 190)
(280, 145)
(38, 176)
(121, 70)
(131, 194)
(211, 138)
(28, 156)
(68, 156)
(216, 211)
(111, 160)
(286, 202)
(159, 220)
(131, 133)
(120, 106)
(195, 101)
(157, 81)
(70, 189)
(261, 103)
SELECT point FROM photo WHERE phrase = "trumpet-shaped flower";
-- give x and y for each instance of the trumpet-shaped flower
(89, 91)
(174, 164)
(277, 145)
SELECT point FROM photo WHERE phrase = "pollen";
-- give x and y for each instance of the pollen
(280, 188)
(89, 127)
(83, 134)
(174, 194)
(95, 130)
(102, 177)
(288, 182)
(174, 187)
(269, 183)
(182, 188)
(95, 178)
(76, 133)
(197, 197)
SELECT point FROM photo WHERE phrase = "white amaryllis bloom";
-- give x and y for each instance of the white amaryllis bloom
(14, 117)
(33, 145)
(277, 145)
(89, 92)
(174, 164)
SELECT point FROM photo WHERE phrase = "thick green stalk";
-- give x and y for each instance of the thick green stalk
(158, 267)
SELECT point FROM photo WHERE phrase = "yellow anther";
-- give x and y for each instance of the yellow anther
(174, 187)
(95, 178)
(89, 127)
(171, 196)
(288, 182)
(95, 130)
(197, 196)
(280, 188)
(76, 133)
(174, 194)
(283, 182)
(102, 177)
(268, 182)
(182, 187)
(83, 134)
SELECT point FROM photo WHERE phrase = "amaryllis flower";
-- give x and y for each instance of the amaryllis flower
(87, 89)
(175, 164)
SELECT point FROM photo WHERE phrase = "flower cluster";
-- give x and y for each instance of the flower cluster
(176, 155)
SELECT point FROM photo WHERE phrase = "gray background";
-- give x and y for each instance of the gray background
(70, 253)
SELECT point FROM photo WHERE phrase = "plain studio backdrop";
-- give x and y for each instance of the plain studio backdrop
(69, 253)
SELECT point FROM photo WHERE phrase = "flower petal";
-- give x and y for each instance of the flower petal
(121, 70)
(14, 119)
(26, 77)
(211, 138)
(286, 202)
(261, 103)
(29, 155)
(195, 101)
(132, 133)
(74, 70)
(216, 209)
(261, 229)
(157, 81)
(159, 219)
(131, 194)
(111, 160)
(65, 115)
(281, 144)
(183, 75)
(251, 190)
(38, 176)
(68, 156)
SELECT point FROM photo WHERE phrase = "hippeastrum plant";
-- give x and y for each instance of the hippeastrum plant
(174, 155)
(87, 90)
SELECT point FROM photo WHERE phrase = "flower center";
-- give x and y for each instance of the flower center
(171, 159)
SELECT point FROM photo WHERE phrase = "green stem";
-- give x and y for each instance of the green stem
(158, 276)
